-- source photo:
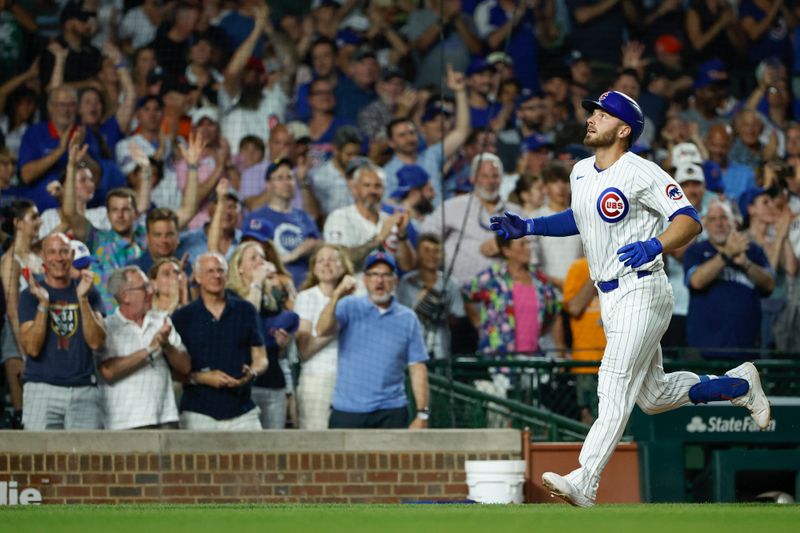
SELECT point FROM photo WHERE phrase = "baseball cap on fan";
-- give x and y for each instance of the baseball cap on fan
(712, 72)
(81, 256)
(689, 172)
(685, 153)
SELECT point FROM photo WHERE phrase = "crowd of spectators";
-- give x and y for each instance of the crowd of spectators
(203, 192)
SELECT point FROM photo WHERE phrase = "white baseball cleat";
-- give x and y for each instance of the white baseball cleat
(564, 489)
(754, 400)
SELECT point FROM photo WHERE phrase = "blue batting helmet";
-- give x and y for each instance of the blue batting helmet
(621, 106)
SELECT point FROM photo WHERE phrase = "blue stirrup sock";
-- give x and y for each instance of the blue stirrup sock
(718, 389)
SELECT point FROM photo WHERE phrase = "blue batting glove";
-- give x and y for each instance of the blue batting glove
(511, 226)
(638, 253)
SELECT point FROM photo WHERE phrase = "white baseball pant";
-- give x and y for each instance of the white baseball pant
(635, 317)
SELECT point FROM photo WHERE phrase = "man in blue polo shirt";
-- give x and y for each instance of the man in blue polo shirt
(222, 334)
(378, 339)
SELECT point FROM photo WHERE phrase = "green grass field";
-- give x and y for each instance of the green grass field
(678, 518)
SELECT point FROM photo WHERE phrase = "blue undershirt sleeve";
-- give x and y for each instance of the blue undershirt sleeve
(559, 225)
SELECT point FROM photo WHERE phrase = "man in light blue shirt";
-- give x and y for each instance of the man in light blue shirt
(378, 339)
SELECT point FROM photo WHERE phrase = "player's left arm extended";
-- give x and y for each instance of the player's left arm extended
(513, 226)
(684, 226)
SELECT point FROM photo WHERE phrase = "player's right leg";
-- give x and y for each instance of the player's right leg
(755, 400)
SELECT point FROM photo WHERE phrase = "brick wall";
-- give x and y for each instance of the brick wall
(299, 466)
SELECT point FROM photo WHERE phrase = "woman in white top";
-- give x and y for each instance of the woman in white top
(21, 219)
(318, 355)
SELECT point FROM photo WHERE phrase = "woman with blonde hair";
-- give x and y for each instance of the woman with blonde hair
(318, 355)
(252, 277)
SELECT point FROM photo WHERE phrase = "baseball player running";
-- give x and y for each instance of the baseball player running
(619, 203)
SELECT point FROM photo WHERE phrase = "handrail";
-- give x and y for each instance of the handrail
(555, 422)
(549, 363)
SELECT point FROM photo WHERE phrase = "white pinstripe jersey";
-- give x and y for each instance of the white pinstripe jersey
(627, 202)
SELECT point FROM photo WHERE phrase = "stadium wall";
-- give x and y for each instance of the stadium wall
(269, 466)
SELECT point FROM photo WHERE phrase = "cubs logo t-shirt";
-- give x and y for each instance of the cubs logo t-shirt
(65, 360)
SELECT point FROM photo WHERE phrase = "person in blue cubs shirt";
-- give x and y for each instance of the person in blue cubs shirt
(378, 340)
(727, 275)
(295, 234)
(60, 325)
(222, 334)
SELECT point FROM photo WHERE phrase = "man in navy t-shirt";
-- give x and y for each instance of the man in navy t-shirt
(727, 275)
(60, 326)
(295, 234)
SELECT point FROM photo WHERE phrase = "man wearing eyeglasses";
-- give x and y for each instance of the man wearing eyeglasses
(378, 339)
(141, 347)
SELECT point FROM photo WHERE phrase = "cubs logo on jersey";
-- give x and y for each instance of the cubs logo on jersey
(612, 205)
(674, 192)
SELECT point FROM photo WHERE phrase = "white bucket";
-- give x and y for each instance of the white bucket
(495, 481)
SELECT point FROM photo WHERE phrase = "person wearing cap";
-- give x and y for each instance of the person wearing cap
(469, 243)
(173, 42)
(330, 185)
(82, 61)
(364, 227)
(512, 26)
(295, 234)
(483, 112)
(250, 104)
(221, 234)
(690, 176)
(435, 121)
(394, 101)
(710, 95)
(727, 276)
(43, 149)
(21, 222)
(252, 186)
(736, 177)
(403, 140)
(222, 334)
(357, 91)
(61, 324)
(141, 350)
(378, 339)
(535, 152)
(414, 194)
(530, 118)
(620, 206)
(440, 33)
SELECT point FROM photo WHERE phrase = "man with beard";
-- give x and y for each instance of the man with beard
(363, 227)
(710, 92)
(331, 186)
(249, 107)
(620, 203)
(83, 59)
(530, 121)
(378, 340)
(403, 140)
(414, 195)
(469, 243)
(483, 112)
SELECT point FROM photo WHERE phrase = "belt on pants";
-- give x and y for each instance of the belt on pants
(608, 286)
